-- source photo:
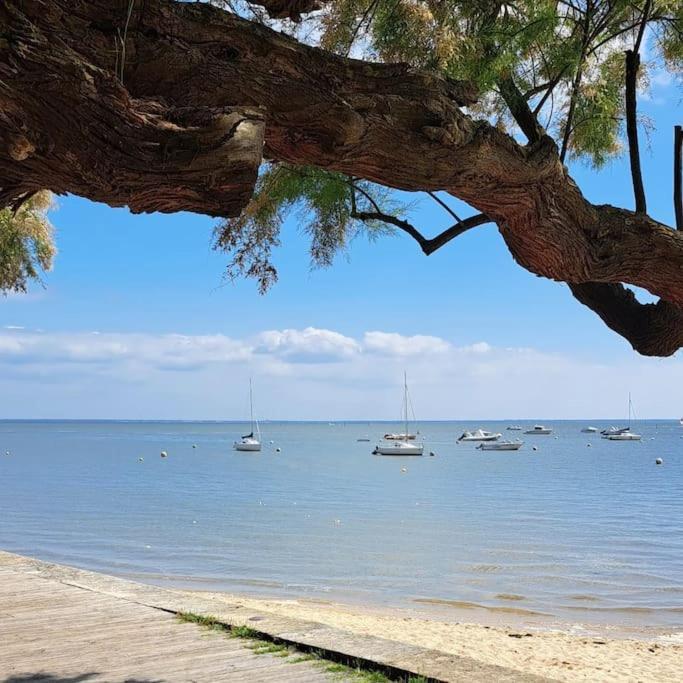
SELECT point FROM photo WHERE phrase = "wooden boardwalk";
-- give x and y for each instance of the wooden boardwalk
(51, 631)
(68, 625)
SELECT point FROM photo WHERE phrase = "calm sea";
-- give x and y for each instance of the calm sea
(579, 534)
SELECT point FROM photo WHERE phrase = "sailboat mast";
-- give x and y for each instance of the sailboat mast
(251, 406)
(405, 401)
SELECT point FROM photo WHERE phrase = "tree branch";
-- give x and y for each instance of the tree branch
(519, 108)
(399, 223)
(164, 142)
(444, 206)
(455, 231)
(70, 126)
(288, 9)
(428, 245)
(632, 67)
(678, 176)
(651, 329)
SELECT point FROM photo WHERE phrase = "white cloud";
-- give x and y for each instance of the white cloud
(318, 374)
(108, 349)
(393, 344)
(310, 345)
(479, 347)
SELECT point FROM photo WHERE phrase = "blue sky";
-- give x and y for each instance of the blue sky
(140, 280)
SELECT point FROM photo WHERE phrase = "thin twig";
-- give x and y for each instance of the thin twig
(125, 36)
(445, 206)
(678, 176)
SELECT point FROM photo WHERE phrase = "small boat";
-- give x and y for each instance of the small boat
(399, 448)
(514, 428)
(399, 437)
(500, 446)
(680, 422)
(403, 446)
(624, 434)
(250, 442)
(362, 439)
(539, 429)
(589, 430)
(479, 435)
(614, 430)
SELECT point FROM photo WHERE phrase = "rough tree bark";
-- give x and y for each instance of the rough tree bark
(203, 92)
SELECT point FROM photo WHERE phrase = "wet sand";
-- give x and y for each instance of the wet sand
(599, 654)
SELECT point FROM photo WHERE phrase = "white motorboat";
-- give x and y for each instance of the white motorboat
(401, 446)
(589, 430)
(250, 442)
(614, 430)
(500, 446)
(479, 435)
(624, 434)
(539, 429)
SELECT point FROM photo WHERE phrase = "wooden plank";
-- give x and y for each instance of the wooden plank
(120, 630)
(48, 628)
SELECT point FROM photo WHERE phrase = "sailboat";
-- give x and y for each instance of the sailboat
(251, 441)
(624, 434)
(401, 446)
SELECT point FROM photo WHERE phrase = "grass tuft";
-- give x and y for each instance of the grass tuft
(265, 646)
(243, 632)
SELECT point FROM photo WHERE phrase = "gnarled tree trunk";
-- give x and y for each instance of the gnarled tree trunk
(169, 106)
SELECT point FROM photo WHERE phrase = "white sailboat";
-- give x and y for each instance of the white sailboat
(252, 441)
(624, 434)
(403, 446)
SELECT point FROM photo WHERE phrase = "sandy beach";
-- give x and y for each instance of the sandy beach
(555, 654)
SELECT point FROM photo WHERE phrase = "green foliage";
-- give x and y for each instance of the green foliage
(565, 60)
(556, 54)
(324, 203)
(599, 113)
(26, 243)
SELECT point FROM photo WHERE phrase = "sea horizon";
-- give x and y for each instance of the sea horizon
(511, 420)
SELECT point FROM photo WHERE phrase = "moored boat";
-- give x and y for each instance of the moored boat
(624, 436)
(589, 430)
(399, 437)
(400, 446)
(614, 430)
(625, 433)
(500, 446)
(479, 435)
(250, 442)
(539, 429)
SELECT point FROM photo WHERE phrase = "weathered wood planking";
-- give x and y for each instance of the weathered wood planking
(52, 631)
(86, 622)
